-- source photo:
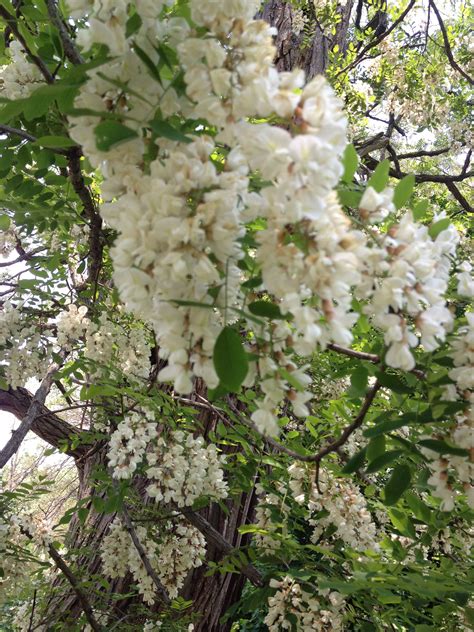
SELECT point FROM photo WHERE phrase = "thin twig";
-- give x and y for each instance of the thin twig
(128, 524)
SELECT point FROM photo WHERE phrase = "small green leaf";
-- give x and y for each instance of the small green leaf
(419, 210)
(355, 462)
(359, 380)
(350, 161)
(398, 483)
(394, 383)
(383, 460)
(403, 191)
(438, 227)
(230, 359)
(379, 179)
(420, 510)
(375, 448)
(165, 130)
(109, 134)
(4, 222)
(266, 309)
(132, 25)
(55, 141)
(442, 447)
(148, 62)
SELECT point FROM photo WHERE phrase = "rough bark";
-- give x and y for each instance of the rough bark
(291, 50)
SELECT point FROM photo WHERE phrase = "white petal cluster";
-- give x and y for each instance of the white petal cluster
(375, 206)
(449, 469)
(344, 507)
(263, 519)
(172, 554)
(7, 240)
(465, 280)
(313, 612)
(129, 442)
(19, 78)
(406, 277)
(25, 351)
(183, 469)
(72, 324)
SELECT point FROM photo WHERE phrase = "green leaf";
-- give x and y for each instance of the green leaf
(266, 309)
(419, 210)
(438, 227)
(132, 25)
(379, 179)
(151, 67)
(359, 380)
(403, 191)
(399, 482)
(355, 462)
(230, 359)
(394, 383)
(383, 460)
(442, 447)
(375, 448)
(349, 198)
(420, 510)
(55, 141)
(350, 161)
(291, 379)
(165, 130)
(109, 134)
(402, 522)
(4, 222)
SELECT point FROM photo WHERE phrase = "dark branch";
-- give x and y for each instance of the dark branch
(377, 40)
(33, 411)
(46, 425)
(447, 46)
(39, 63)
(214, 538)
(127, 523)
(69, 46)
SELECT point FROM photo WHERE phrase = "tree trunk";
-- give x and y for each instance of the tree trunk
(212, 596)
(292, 51)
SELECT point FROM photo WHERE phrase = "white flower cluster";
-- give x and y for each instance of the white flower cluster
(71, 325)
(7, 241)
(179, 224)
(183, 469)
(321, 612)
(19, 78)
(106, 342)
(123, 347)
(129, 442)
(465, 280)
(180, 217)
(171, 553)
(263, 518)
(461, 434)
(344, 506)
(25, 350)
(405, 279)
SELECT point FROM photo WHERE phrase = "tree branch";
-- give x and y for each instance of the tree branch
(214, 538)
(69, 46)
(127, 523)
(81, 595)
(46, 425)
(39, 63)
(447, 46)
(33, 411)
(377, 41)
